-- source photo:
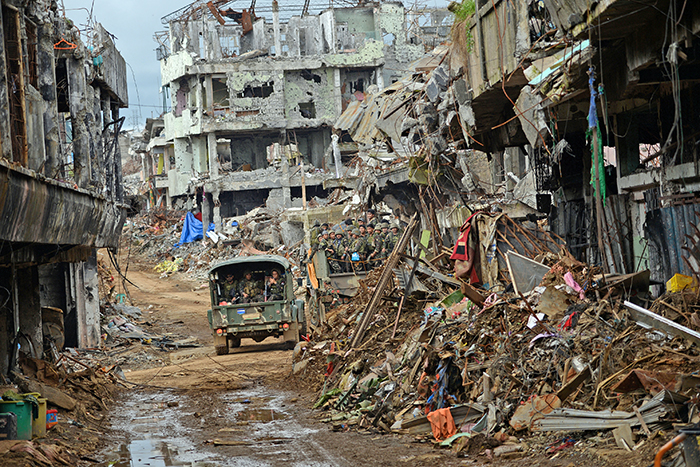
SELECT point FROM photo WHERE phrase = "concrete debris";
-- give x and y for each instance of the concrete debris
(481, 360)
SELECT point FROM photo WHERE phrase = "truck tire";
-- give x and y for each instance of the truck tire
(221, 349)
(235, 342)
(302, 330)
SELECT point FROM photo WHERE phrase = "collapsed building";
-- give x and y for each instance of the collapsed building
(250, 99)
(568, 109)
(60, 176)
(602, 97)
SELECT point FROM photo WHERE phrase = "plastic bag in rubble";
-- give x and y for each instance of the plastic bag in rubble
(168, 266)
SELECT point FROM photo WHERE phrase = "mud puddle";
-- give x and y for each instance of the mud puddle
(247, 428)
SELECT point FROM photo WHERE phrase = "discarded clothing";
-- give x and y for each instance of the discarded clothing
(442, 423)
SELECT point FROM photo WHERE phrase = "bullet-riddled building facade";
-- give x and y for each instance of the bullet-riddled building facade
(237, 85)
(60, 175)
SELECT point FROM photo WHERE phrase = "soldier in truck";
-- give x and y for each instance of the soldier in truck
(275, 286)
(249, 289)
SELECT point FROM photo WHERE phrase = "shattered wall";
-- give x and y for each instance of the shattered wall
(310, 97)
(257, 99)
(60, 161)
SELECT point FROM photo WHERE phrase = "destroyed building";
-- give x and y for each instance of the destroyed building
(250, 97)
(507, 114)
(60, 177)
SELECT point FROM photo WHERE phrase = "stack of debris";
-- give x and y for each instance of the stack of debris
(556, 347)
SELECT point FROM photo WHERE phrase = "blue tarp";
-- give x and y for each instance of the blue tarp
(192, 229)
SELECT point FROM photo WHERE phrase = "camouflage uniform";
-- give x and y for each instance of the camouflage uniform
(229, 289)
(340, 246)
(359, 246)
(314, 235)
(373, 249)
(276, 291)
(251, 288)
(391, 241)
(383, 235)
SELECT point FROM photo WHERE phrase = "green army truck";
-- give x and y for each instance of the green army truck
(260, 315)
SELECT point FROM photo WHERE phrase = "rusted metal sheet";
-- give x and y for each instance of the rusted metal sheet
(47, 212)
(655, 381)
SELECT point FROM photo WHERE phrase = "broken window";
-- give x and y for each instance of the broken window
(307, 109)
(358, 85)
(230, 45)
(265, 90)
(62, 85)
(308, 76)
(220, 92)
(181, 98)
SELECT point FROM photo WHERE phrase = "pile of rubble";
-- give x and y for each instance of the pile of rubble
(560, 347)
(156, 236)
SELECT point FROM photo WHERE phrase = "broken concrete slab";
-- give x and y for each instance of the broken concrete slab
(531, 115)
(525, 190)
(291, 233)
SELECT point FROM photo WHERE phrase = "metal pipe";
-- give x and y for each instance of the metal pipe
(667, 447)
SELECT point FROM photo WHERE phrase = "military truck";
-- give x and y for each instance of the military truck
(260, 315)
(326, 289)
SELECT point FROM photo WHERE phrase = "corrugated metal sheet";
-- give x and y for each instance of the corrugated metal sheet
(360, 117)
(668, 231)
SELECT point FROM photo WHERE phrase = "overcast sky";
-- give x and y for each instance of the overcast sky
(134, 22)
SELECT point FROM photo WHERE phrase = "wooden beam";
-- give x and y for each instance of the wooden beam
(383, 282)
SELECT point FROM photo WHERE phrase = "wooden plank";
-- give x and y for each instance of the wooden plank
(472, 294)
(572, 385)
(53, 395)
(387, 273)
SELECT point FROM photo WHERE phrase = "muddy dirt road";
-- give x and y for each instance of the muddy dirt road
(196, 408)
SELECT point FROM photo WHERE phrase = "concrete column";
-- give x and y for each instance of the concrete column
(276, 27)
(380, 77)
(337, 95)
(29, 308)
(206, 208)
(117, 161)
(213, 156)
(77, 90)
(87, 303)
(46, 68)
(217, 207)
(317, 150)
(200, 154)
(336, 156)
(209, 89)
(286, 185)
(508, 166)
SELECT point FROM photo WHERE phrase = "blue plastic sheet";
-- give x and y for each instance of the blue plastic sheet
(193, 230)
